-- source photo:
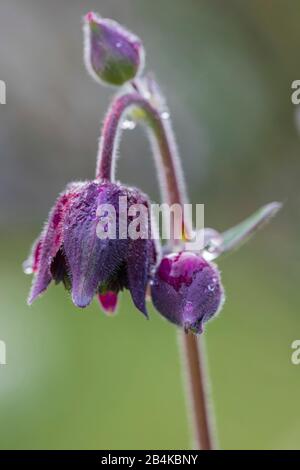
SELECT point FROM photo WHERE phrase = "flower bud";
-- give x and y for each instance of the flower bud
(187, 290)
(112, 53)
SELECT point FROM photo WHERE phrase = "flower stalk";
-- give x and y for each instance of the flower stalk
(173, 192)
(166, 156)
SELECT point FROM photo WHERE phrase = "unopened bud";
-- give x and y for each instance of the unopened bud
(113, 54)
(187, 290)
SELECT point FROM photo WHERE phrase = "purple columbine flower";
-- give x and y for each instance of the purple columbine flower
(69, 249)
(113, 54)
(186, 287)
(187, 290)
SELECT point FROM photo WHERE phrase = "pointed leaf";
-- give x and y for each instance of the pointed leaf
(241, 232)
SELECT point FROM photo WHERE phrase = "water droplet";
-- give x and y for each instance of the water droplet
(165, 115)
(211, 287)
(128, 124)
(118, 44)
(28, 270)
(188, 309)
(213, 245)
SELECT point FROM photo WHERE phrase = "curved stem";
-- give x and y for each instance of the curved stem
(167, 161)
(173, 192)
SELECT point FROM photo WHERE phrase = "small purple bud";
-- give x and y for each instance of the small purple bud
(108, 301)
(112, 53)
(187, 290)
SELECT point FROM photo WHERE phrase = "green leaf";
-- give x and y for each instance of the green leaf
(238, 234)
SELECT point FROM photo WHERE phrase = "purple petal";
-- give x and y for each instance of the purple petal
(51, 242)
(203, 299)
(91, 260)
(31, 264)
(140, 259)
(108, 301)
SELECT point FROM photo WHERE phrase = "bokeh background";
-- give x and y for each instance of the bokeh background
(77, 379)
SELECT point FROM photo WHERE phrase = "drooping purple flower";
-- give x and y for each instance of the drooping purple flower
(187, 290)
(113, 54)
(70, 250)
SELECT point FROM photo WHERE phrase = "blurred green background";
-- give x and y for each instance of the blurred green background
(75, 378)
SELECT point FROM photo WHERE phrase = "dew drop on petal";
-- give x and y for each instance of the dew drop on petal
(27, 268)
